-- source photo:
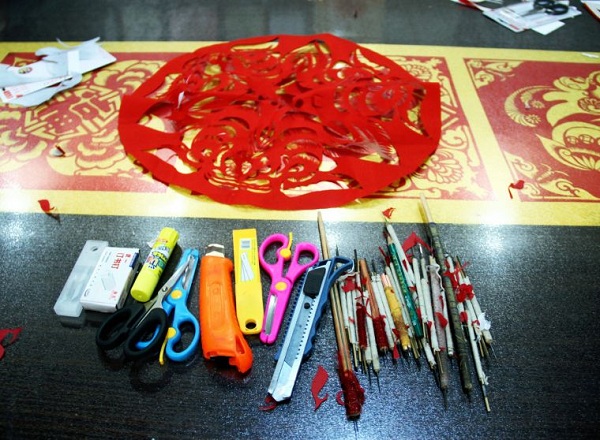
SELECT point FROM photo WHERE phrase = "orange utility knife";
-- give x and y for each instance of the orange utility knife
(220, 332)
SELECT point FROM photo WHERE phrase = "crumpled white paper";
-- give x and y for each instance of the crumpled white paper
(58, 70)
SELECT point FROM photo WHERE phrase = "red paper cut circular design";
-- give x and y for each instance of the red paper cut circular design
(282, 122)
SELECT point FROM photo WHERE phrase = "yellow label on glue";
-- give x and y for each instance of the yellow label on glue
(153, 267)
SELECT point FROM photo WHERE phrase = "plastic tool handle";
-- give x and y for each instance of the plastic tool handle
(116, 327)
(184, 322)
(154, 325)
(220, 333)
(282, 286)
(181, 323)
(332, 273)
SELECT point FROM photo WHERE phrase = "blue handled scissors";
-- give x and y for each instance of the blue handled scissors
(142, 327)
(183, 321)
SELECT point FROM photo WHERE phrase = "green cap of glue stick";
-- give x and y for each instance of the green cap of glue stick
(153, 267)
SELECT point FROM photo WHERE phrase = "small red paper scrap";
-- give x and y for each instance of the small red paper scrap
(269, 405)
(349, 284)
(318, 382)
(388, 213)
(45, 205)
(48, 208)
(8, 336)
(282, 122)
(441, 319)
(413, 240)
(519, 184)
(339, 397)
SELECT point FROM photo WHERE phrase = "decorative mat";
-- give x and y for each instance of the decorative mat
(508, 116)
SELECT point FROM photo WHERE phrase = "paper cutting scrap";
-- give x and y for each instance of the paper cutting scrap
(388, 212)
(8, 336)
(282, 122)
(318, 382)
(519, 184)
(48, 209)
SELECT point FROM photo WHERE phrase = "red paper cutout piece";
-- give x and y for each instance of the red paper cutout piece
(339, 397)
(385, 256)
(441, 319)
(388, 213)
(8, 336)
(318, 382)
(413, 240)
(45, 205)
(519, 184)
(466, 290)
(453, 276)
(48, 208)
(282, 122)
(269, 405)
(349, 284)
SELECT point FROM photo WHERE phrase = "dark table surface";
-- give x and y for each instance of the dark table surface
(538, 284)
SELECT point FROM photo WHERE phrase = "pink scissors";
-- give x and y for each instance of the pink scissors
(282, 285)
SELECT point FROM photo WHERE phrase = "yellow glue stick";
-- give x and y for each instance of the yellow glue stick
(153, 267)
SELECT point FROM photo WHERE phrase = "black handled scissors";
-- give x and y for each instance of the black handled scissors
(549, 7)
(134, 323)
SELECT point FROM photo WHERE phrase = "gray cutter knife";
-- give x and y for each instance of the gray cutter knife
(298, 342)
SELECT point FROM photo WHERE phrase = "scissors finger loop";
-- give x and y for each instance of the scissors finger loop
(153, 325)
(179, 347)
(114, 329)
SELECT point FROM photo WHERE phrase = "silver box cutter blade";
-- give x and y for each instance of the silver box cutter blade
(298, 342)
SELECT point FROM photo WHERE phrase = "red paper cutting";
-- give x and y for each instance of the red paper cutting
(269, 405)
(349, 284)
(519, 184)
(47, 207)
(466, 291)
(414, 240)
(8, 336)
(282, 122)
(388, 212)
(441, 319)
(318, 382)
